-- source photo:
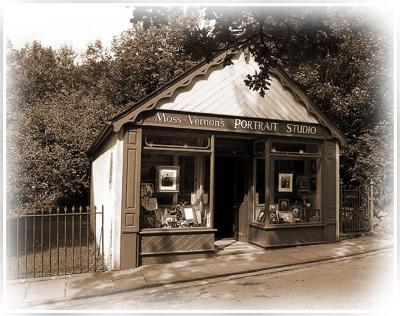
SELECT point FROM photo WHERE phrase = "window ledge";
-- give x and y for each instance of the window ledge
(152, 231)
(283, 226)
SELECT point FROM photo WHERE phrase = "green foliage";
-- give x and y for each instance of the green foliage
(270, 34)
(47, 149)
(145, 59)
(353, 87)
(338, 55)
(55, 105)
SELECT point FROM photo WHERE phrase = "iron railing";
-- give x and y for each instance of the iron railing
(55, 242)
(356, 209)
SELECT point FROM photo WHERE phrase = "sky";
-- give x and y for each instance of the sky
(72, 24)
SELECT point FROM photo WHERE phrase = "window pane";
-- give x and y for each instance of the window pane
(310, 148)
(296, 194)
(176, 140)
(259, 148)
(186, 164)
(188, 204)
(259, 207)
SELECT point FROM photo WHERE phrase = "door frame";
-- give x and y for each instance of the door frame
(241, 216)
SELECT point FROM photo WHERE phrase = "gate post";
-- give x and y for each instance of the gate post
(371, 204)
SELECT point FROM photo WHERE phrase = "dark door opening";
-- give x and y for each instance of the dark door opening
(230, 179)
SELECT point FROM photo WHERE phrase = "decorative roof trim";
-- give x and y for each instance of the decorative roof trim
(301, 97)
(203, 69)
(168, 91)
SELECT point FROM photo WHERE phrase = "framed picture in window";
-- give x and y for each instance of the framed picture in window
(188, 213)
(286, 217)
(285, 182)
(146, 189)
(167, 178)
(283, 205)
(197, 212)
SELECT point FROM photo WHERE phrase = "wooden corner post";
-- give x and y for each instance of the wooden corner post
(130, 211)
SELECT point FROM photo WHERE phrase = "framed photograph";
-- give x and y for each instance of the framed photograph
(285, 183)
(260, 213)
(273, 208)
(198, 216)
(205, 198)
(283, 205)
(296, 211)
(168, 179)
(146, 189)
(149, 204)
(193, 198)
(285, 217)
(188, 213)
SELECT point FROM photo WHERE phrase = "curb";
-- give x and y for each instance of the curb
(221, 275)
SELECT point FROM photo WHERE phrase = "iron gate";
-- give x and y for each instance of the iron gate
(356, 209)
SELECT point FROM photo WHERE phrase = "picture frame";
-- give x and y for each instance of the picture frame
(198, 216)
(260, 213)
(273, 213)
(149, 204)
(285, 182)
(168, 178)
(296, 211)
(273, 208)
(286, 217)
(188, 213)
(146, 189)
(283, 205)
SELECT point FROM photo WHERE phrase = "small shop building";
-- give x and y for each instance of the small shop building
(204, 157)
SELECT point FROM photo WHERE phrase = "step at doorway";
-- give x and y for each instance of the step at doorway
(230, 246)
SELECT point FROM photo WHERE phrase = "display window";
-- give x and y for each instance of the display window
(294, 195)
(174, 190)
(259, 200)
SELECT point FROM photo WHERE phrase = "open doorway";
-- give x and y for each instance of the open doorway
(230, 184)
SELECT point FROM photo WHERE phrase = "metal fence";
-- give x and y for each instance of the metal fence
(55, 242)
(356, 209)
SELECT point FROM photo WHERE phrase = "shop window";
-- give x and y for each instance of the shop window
(259, 200)
(298, 148)
(174, 191)
(259, 148)
(296, 196)
(177, 141)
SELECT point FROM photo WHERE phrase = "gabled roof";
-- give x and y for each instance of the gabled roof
(224, 93)
(213, 89)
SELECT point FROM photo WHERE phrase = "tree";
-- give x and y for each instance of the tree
(56, 106)
(338, 56)
(47, 149)
(269, 34)
(146, 58)
(355, 90)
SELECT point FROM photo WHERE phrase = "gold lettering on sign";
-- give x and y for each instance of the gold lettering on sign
(194, 120)
(167, 118)
(255, 125)
(300, 129)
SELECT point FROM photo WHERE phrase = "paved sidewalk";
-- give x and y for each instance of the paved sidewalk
(26, 294)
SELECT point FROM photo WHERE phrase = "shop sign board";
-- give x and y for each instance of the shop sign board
(234, 124)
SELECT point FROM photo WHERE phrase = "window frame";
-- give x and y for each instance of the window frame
(295, 156)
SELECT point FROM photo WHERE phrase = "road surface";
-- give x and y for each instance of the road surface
(364, 282)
